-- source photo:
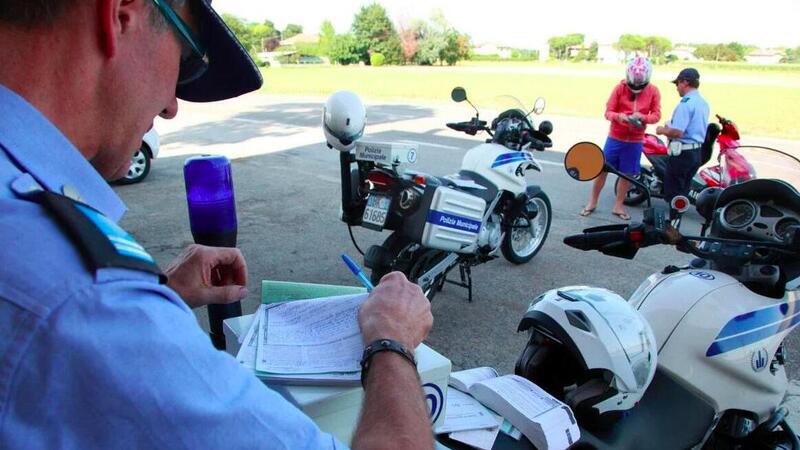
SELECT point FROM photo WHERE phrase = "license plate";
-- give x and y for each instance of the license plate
(376, 210)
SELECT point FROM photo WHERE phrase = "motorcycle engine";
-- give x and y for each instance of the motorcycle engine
(490, 233)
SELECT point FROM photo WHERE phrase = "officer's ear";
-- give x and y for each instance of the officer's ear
(117, 19)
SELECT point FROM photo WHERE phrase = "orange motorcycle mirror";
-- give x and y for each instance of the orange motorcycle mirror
(584, 161)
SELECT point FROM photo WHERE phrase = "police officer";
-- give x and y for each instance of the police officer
(686, 132)
(95, 352)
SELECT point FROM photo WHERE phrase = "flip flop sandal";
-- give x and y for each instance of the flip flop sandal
(586, 212)
(622, 215)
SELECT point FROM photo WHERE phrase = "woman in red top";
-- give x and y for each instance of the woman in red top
(633, 104)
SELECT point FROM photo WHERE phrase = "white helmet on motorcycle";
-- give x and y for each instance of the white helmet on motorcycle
(343, 120)
(589, 348)
(637, 74)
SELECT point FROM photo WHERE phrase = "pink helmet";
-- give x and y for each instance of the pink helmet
(637, 74)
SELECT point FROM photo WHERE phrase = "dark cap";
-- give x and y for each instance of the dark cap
(231, 72)
(688, 74)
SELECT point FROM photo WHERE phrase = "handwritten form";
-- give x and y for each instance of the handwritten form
(548, 423)
(465, 413)
(311, 336)
(247, 351)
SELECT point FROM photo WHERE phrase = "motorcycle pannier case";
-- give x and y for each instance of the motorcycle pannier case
(447, 219)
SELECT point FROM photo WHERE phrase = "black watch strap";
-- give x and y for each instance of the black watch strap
(383, 345)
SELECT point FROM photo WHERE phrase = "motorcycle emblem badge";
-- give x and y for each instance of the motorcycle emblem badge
(434, 397)
(759, 359)
(702, 275)
(412, 156)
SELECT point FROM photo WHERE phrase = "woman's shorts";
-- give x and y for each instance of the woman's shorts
(623, 156)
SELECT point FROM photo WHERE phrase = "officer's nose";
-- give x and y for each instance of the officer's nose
(171, 110)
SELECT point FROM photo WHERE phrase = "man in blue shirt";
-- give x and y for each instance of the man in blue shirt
(686, 132)
(94, 351)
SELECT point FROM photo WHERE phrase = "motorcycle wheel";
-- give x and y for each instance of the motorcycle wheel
(413, 260)
(634, 196)
(522, 242)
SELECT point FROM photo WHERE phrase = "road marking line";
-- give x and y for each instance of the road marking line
(427, 144)
(242, 119)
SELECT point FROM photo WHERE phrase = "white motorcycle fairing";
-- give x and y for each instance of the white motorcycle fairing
(718, 339)
(500, 166)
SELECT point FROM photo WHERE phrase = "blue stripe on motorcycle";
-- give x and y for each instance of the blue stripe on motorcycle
(453, 221)
(508, 158)
(723, 345)
(758, 318)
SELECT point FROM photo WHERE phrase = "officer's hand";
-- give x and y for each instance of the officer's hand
(396, 309)
(204, 275)
(661, 130)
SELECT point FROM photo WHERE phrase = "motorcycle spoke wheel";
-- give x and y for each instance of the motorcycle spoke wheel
(526, 236)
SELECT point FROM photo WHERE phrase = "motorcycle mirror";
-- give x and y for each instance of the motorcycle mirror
(538, 106)
(584, 161)
(546, 127)
(458, 95)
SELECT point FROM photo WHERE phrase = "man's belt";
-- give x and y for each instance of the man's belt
(691, 146)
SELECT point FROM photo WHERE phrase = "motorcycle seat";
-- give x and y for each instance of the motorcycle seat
(457, 181)
(471, 183)
(707, 147)
(659, 163)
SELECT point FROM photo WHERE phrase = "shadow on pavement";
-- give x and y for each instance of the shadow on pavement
(281, 120)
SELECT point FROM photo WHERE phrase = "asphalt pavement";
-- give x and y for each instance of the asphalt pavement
(288, 200)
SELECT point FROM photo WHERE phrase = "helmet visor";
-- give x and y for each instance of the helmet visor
(636, 87)
(630, 329)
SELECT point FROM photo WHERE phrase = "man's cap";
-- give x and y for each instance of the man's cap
(688, 74)
(231, 72)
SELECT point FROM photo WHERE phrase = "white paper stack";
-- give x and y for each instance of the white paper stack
(522, 407)
(306, 341)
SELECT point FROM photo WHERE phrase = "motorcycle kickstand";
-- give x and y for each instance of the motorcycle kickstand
(466, 279)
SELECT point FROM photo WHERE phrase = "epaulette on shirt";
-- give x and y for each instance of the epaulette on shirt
(685, 99)
(101, 242)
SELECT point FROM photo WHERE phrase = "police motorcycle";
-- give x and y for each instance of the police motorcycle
(442, 222)
(695, 358)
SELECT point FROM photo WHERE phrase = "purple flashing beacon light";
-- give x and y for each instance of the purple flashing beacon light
(212, 218)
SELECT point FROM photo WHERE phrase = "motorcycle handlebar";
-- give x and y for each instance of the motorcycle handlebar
(536, 143)
(597, 239)
(471, 127)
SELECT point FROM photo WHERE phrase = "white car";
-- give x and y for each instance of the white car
(140, 163)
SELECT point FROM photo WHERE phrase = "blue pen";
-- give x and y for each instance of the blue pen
(358, 272)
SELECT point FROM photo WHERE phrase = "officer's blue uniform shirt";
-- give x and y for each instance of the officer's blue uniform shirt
(107, 359)
(691, 117)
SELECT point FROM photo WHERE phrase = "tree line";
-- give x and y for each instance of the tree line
(657, 48)
(372, 39)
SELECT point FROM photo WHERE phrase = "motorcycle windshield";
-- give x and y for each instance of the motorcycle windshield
(630, 329)
(750, 162)
(506, 102)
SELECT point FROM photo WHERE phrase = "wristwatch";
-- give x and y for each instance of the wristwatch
(383, 345)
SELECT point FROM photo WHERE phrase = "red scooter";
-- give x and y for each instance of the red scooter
(734, 169)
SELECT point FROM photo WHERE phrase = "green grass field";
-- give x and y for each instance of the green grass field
(762, 102)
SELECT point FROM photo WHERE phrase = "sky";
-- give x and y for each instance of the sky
(528, 24)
